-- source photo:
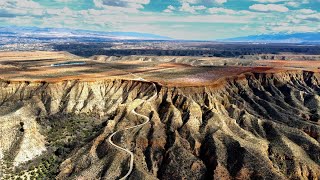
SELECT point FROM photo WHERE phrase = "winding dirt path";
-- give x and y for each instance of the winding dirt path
(147, 119)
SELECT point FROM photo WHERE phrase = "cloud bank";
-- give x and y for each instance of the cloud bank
(180, 19)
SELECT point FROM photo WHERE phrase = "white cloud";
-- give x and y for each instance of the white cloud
(124, 16)
(290, 3)
(207, 3)
(293, 4)
(278, 1)
(221, 10)
(304, 16)
(169, 9)
(186, 7)
(269, 7)
(190, 1)
(65, 11)
(118, 4)
(306, 11)
(293, 20)
(244, 28)
(19, 4)
(309, 17)
(26, 4)
(220, 1)
(21, 7)
(175, 19)
(269, 1)
(291, 29)
(63, 1)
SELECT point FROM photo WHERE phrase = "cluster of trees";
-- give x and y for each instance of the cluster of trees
(46, 168)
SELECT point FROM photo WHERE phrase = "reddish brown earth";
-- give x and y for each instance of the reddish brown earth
(36, 67)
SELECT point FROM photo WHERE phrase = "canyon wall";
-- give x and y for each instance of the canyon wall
(257, 125)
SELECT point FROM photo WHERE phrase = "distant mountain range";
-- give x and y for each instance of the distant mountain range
(69, 34)
(313, 37)
(17, 34)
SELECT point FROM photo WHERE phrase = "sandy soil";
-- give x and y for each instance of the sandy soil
(37, 66)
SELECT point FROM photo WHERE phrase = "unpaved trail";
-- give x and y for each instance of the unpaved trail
(147, 119)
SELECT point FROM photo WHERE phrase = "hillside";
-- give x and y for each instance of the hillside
(222, 122)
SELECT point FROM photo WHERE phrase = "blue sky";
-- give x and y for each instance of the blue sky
(180, 19)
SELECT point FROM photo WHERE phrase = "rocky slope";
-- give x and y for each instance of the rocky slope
(215, 61)
(287, 57)
(254, 126)
(192, 60)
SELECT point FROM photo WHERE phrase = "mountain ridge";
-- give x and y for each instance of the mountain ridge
(72, 33)
(308, 37)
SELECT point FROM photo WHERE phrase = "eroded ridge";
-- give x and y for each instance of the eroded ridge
(205, 123)
(147, 119)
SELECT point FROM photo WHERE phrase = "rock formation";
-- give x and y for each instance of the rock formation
(257, 125)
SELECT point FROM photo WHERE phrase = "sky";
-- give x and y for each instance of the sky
(179, 19)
